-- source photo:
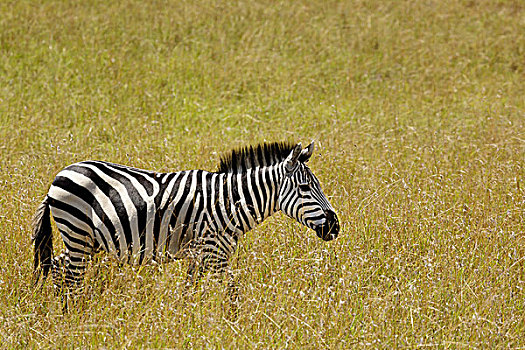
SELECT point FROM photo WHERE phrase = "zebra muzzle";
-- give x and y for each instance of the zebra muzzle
(330, 229)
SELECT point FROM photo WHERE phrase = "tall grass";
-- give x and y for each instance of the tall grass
(418, 110)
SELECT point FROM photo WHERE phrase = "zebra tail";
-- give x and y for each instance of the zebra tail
(43, 240)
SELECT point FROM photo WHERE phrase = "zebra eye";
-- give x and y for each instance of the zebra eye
(304, 186)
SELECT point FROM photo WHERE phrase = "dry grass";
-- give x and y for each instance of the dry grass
(419, 111)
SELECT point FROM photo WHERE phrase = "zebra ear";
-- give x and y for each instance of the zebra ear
(291, 161)
(307, 152)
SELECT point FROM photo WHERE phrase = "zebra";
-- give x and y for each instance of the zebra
(139, 216)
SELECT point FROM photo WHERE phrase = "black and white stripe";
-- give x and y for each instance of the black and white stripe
(138, 216)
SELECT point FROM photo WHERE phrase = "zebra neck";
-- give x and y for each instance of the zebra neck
(256, 196)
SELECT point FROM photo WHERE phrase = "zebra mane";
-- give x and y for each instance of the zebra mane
(266, 154)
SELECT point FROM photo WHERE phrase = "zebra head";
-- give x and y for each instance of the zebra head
(302, 198)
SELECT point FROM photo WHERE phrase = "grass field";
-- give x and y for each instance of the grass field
(418, 112)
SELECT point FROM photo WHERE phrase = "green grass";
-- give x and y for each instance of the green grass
(418, 109)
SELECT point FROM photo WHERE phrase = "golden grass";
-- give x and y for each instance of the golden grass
(419, 112)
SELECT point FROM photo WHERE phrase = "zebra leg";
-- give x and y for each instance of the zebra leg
(74, 268)
(194, 269)
(57, 271)
(69, 267)
(224, 271)
(207, 262)
(194, 273)
(201, 263)
(233, 294)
